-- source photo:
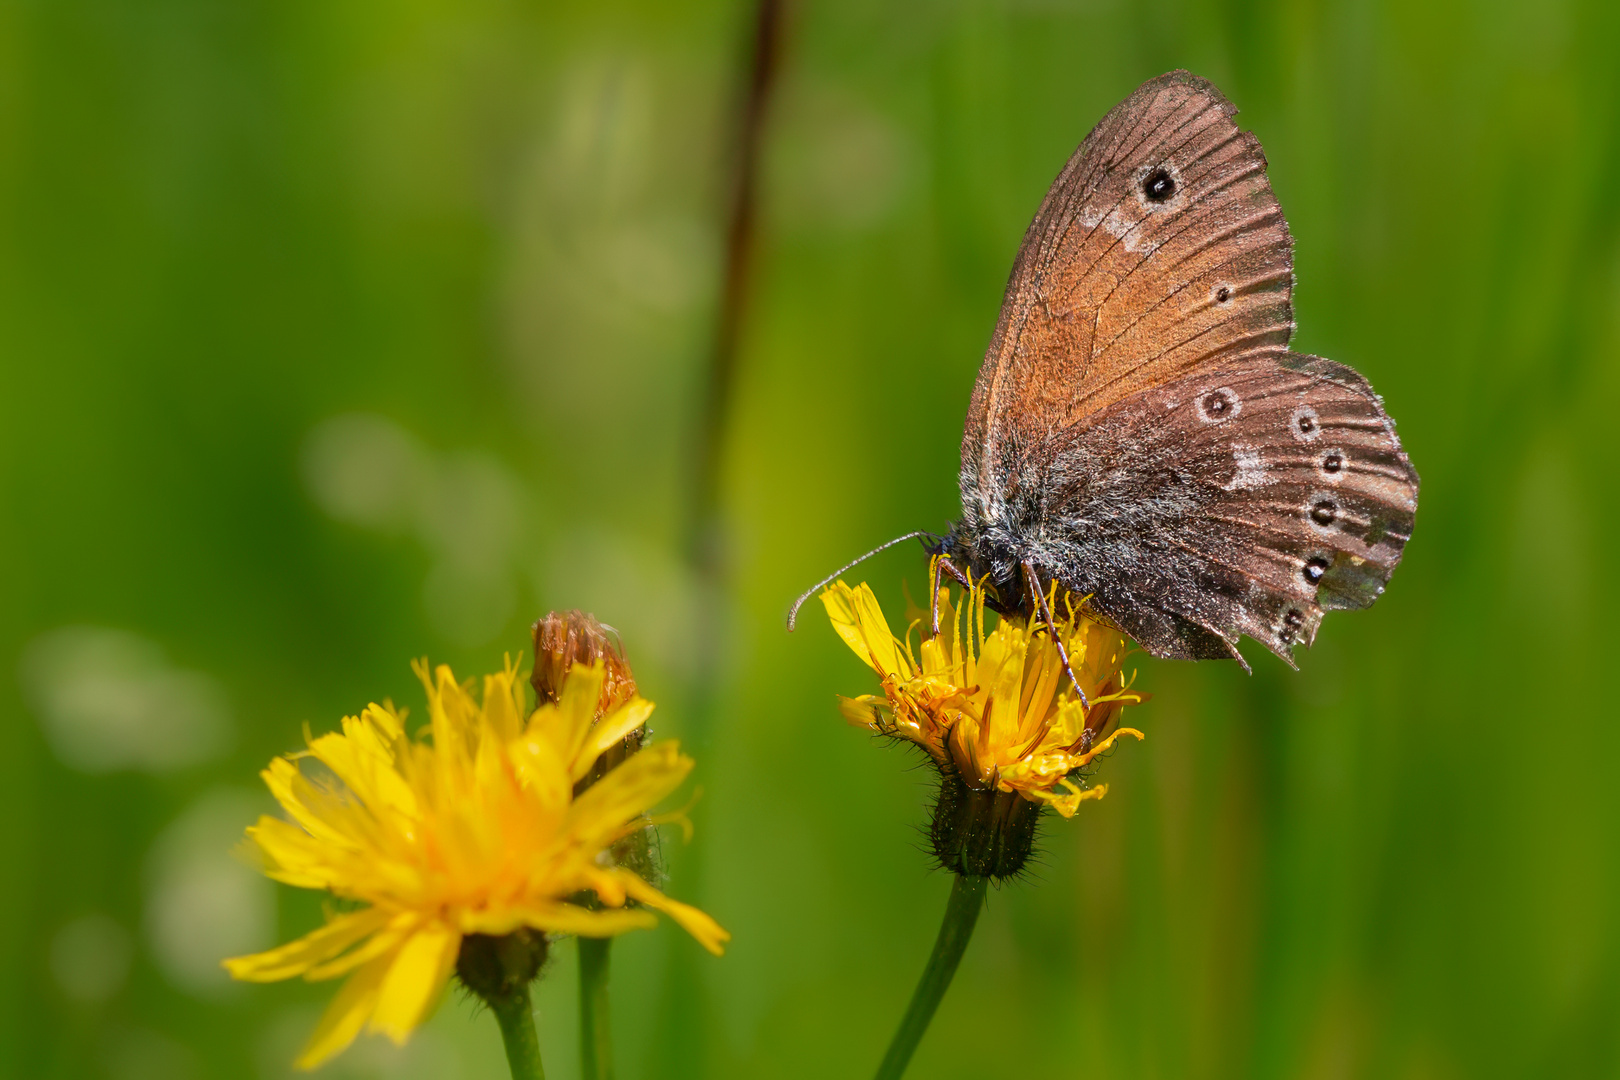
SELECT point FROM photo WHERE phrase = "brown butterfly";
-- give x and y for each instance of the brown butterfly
(1140, 433)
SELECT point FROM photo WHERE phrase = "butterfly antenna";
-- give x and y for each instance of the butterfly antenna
(793, 612)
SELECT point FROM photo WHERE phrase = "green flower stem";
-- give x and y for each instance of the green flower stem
(595, 1033)
(961, 912)
(514, 1012)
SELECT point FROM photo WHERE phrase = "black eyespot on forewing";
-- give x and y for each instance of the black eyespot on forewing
(1332, 462)
(1324, 512)
(1158, 185)
(1315, 568)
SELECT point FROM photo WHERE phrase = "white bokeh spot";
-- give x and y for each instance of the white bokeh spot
(466, 509)
(203, 901)
(109, 699)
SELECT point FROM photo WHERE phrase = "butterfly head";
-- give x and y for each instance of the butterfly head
(987, 553)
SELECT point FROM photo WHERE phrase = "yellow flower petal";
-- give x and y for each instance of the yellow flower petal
(1108, 743)
(1068, 804)
(596, 818)
(415, 980)
(383, 941)
(363, 758)
(301, 799)
(859, 621)
(297, 957)
(710, 934)
(566, 724)
(503, 702)
(561, 918)
(292, 855)
(346, 1015)
(861, 711)
(610, 729)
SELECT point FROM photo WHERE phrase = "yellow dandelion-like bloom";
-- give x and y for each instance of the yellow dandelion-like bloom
(994, 707)
(473, 827)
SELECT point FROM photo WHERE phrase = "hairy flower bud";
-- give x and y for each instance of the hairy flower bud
(981, 831)
(496, 966)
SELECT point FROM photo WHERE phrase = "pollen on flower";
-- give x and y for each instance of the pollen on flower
(474, 828)
(995, 709)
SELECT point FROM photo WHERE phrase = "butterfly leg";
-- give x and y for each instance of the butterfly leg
(933, 593)
(942, 562)
(1033, 581)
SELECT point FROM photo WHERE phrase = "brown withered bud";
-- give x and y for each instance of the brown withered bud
(565, 638)
(561, 640)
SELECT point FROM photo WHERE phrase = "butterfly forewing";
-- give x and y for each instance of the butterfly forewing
(1159, 251)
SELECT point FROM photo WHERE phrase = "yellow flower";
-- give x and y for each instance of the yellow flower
(992, 707)
(471, 828)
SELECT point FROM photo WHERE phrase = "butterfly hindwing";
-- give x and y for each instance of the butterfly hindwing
(1245, 500)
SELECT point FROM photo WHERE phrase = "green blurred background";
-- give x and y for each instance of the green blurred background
(337, 332)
